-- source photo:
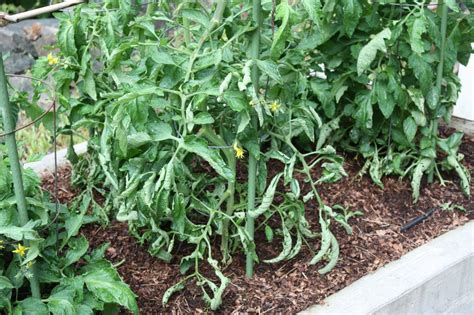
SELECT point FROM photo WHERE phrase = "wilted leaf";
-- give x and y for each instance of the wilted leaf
(369, 51)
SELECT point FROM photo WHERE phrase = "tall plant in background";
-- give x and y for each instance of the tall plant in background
(181, 96)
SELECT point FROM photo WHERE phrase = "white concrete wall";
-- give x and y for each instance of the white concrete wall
(465, 105)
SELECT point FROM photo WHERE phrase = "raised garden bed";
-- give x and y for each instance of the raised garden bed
(436, 278)
(294, 286)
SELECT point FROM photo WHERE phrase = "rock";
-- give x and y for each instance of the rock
(26, 41)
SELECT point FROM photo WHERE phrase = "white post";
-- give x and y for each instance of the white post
(465, 106)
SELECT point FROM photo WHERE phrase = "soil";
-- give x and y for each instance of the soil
(293, 285)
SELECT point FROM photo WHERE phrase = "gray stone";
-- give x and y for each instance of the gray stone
(25, 41)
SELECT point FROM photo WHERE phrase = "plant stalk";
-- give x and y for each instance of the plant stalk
(9, 125)
(151, 7)
(439, 76)
(187, 32)
(215, 21)
(210, 135)
(252, 168)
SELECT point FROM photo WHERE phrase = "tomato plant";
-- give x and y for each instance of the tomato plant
(53, 250)
(39, 244)
(179, 96)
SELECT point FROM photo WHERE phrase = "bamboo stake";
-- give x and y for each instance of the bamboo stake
(35, 12)
(8, 123)
(439, 76)
(252, 169)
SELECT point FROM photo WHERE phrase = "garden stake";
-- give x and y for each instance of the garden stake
(439, 76)
(8, 123)
(252, 171)
(35, 12)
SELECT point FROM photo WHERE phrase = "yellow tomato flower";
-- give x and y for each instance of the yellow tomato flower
(275, 106)
(52, 60)
(239, 152)
(20, 250)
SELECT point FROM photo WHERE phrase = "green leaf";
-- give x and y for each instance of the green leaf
(463, 173)
(410, 128)
(314, 10)
(375, 170)
(5, 283)
(325, 242)
(333, 256)
(74, 220)
(283, 11)
(369, 51)
(262, 174)
(107, 287)
(269, 233)
(452, 5)
(31, 306)
(19, 233)
(5, 304)
(216, 300)
(243, 121)
(236, 100)
(270, 68)
(66, 35)
(267, 199)
(432, 99)
(297, 248)
(287, 244)
(89, 84)
(420, 168)
(422, 70)
(137, 140)
(419, 118)
(386, 104)
(179, 214)
(203, 119)
(326, 131)
(170, 291)
(77, 248)
(352, 12)
(200, 147)
(160, 56)
(160, 131)
(196, 16)
(417, 98)
(416, 30)
(138, 92)
(61, 303)
(364, 114)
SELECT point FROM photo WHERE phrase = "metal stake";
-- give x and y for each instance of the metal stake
(9, 125)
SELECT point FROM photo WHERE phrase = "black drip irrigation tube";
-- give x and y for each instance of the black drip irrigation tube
(417, 220)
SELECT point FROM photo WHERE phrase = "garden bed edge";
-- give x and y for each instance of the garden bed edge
(435, 278)
(46, 164)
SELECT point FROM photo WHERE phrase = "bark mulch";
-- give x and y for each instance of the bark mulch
(292, 286)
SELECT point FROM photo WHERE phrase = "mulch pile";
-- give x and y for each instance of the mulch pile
(292, 286)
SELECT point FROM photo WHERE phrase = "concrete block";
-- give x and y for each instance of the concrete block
(46, 165)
